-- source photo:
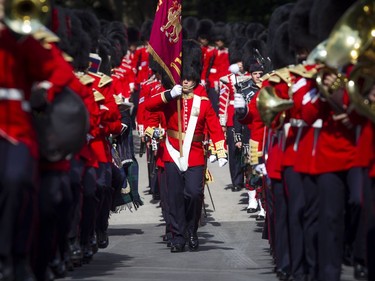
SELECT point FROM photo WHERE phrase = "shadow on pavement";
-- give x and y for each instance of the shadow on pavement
(124, 231)
(102, 265)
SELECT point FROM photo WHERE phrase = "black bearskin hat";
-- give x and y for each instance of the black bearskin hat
(281, 54)
(133, 35)
(116, 34)
(254, 51)
(235, 49)
(324, 15)
(146, 30)
(278, 37)
(219, 32)
(91, 25)
(234, 30)
(254, 29)
(300, 36)
(80, 44)
(191, 61)
(204, 29)
(278, 17)
(190, 24)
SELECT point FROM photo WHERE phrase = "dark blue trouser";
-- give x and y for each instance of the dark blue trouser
(185, 199)
(213, 95)
(76, 176)
(55, 212)
(104, 196)
(88, 205)
(235, 165)
(296, 202)
(281, 226)
(17, 199)
(333, 191)
(164, 199)
(310, 223)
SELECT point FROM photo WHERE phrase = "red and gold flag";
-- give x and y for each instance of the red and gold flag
(165, 43)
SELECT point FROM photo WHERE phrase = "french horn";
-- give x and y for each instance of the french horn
(270, 105)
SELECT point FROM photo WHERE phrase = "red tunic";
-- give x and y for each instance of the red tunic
(206, 116)
(22, 63)
(219, 66)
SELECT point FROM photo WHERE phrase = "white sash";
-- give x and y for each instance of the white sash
(182, 162)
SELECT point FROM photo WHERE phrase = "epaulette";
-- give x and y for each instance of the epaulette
(302, 71)
(98, 96)
(278, 75)
(85, 79)
(104, 79)
(67, 57)
(46, 35)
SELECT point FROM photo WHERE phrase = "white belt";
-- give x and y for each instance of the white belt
(11, 94)
(297, 123)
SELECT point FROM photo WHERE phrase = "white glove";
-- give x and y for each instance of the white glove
(213, 158)
(239, 101)
(222, 162)
(203, 82)
(234, 68)
(261, 169)
(176, 91)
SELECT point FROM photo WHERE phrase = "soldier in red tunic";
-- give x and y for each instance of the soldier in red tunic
(19, 54)
(185, 171)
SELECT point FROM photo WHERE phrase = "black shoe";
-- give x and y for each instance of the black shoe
(177, 248)
(75, 253)
(22, 271)
(6, 270)
(103, 239)
(49, 275)
(193, 242)
(260, 218)
(87, 253)
(360, 272)
(94, 244)
(58, 268)
(282, 275)
(253, 210)
(236, 188)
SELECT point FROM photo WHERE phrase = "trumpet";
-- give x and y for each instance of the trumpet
(26, 16)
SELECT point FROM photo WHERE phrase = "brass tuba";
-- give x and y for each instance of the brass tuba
(270, 105)
(26, 16)
(350, 38)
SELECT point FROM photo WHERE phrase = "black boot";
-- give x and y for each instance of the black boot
(193, 241)
(103, 240)
(6, 270)
(75, 253)
(360, 272)
(22, 270)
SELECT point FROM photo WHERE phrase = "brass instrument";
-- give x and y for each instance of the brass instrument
(270, 105)
(349, 40)
(362, 80)
(26, 16)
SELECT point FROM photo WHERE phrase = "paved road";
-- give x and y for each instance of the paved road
(231, 244)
